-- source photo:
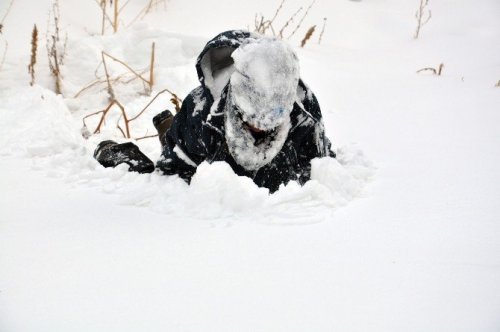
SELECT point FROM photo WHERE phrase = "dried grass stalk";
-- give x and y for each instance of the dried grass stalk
(288, 22)
(262, 25)
(34, 46)
(5, 15)
(126, 120)
(435, 71)
(4, 54)
(149, 82)
(322, 30)
(151, 68)
(421, 17)
(6, 44)
(308, 35)
(56, 58)
(115, 16)
(302, 19)
(147, 9)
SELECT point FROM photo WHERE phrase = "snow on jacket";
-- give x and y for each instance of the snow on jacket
(197, 133)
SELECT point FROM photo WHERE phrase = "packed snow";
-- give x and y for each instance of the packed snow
(400, 232)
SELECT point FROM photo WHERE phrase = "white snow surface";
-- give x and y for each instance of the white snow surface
(412, 244)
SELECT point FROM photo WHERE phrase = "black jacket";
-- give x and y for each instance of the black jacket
(197, 132)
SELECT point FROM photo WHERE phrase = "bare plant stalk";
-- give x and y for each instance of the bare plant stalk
(302, 19)
(126, 66)
(322, 30)
(151, 101)
(262, 25)
(287, 23)
(422, 17)
(151, 68)
(139, 76)
(149, 6)
(6, 14)
(57, 73)
(103, 10)
(123, 6)
(34, 45)
(105, 17)
(435, 71)
(126, 120)
(100, 81)
(115, 16)
(4, 54)
(103, 117)
(110, 86)
(53, 40)
(147, 136)
(277, 11)
(308, 35)
(440, 69)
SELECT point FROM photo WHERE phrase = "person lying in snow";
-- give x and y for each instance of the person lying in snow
(251, 110)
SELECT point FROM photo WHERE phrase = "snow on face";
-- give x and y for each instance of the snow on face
(264, 83)
(263, 89)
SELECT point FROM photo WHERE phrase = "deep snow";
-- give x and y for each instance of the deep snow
(416, 250)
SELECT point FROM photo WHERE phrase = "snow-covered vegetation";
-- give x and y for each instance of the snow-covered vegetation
(399, 233)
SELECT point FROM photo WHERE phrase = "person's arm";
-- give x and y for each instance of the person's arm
(315, 143)
(183, 149)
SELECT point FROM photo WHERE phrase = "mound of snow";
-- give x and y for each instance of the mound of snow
(51, 138)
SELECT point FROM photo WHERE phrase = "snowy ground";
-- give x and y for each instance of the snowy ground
(401, 234)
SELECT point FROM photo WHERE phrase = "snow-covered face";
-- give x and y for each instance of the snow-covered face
(264, 81)
(262, 92)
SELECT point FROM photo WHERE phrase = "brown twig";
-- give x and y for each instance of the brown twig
(144, 11)
(498, 84)
(123, 6)
(435, 71)
(126, 120)
(126, 66)
(4, 54)
(99, 81)
(53, 40)
(34, 44)
(115, 16)
(322, 30)
(419, 15)
(151, 68)
(149, 82)
(440, 69)
(302, 19)
(287, 23)
(103, 10)
(6, 14)
(262, 25)
(151, 101)
(103, 117)
(110, 86)
(277, 11)
(144, 137)
(307, 36)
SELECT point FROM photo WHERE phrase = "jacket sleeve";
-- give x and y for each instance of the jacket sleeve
(183, 148)
(315, 143)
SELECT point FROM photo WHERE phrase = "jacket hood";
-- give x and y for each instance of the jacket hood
(214, 64)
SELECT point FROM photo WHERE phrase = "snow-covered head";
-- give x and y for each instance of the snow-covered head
(263, 89)
(264, 83)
